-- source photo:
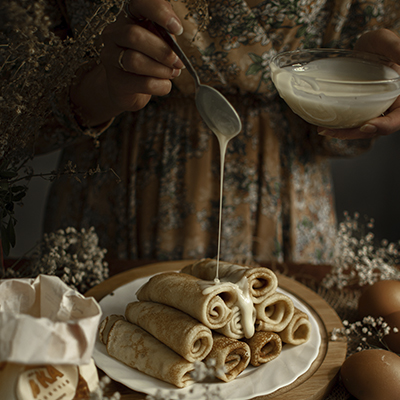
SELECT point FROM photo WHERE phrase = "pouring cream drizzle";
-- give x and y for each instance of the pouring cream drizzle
(235, 278)
(223, 143)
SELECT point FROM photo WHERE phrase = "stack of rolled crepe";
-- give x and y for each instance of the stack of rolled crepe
(176, 322)
(164, 342)
(274, 311)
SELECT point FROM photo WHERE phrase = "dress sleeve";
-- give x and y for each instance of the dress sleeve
(62, 129)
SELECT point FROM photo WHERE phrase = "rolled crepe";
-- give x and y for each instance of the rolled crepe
(234, 328)
(231, 357)
(299, 329)
(138, 349)
(264, 347)
(106, 325)
(179, 331)
(262, 281)
(210, 304)
(274, 313)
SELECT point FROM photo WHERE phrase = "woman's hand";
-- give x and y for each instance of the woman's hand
(385, 43)
(135, 64)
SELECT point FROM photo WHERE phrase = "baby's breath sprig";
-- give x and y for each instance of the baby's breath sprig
(98, 393)
(206, 370)
(358, 260)
(203, 371)
(74, 256)
(368, 333)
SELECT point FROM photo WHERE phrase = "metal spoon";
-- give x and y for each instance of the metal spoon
(214, 108)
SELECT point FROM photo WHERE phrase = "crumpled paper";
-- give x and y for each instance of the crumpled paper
(43, 321)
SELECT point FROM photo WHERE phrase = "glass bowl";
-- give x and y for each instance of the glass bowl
(335, 88)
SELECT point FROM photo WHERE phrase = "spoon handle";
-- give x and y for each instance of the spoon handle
(179, 52)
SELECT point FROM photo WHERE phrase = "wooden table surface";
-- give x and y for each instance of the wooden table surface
(313, 385)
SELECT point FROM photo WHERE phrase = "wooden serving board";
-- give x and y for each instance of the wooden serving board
(315, 384)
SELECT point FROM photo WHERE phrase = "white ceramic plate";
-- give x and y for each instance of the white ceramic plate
(293, 361)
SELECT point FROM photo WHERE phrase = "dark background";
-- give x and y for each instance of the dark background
(370, 185)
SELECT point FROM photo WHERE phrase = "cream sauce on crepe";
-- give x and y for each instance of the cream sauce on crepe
(239, 282)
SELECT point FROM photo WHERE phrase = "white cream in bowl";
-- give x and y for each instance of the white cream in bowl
(335, 88)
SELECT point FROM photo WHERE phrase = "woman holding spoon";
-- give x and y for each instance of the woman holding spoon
(277, 194)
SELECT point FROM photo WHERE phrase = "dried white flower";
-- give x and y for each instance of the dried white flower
(72, 255)
(98, 393)
(357, 258)
(202, 371)
(365, 334)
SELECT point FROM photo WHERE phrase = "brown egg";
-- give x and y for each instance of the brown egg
(393, 339)
(372, 375)
(380, 299)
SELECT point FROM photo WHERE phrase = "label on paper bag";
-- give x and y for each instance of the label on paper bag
(48, 383)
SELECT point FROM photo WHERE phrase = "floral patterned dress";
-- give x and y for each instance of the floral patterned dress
(277, 200)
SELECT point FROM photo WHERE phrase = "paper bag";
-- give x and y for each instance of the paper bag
(43, 321)
(47, 335)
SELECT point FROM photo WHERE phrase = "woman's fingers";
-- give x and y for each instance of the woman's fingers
(123, 34)
(138, 63)
(159, 11)
(372, 129)
(381, 126)
(136, 37)
(346, 134)
(124, 88)
(135, 64)
(390, 123)
(131, 92)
